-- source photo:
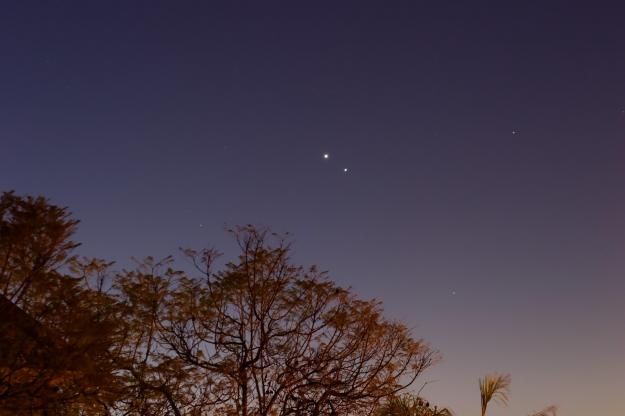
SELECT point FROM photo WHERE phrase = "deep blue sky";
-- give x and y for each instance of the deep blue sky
(484, 201)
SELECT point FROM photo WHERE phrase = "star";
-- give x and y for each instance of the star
(345, 170)
(514, 132)
(326, 155)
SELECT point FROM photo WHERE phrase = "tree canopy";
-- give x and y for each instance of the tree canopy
(258, 336)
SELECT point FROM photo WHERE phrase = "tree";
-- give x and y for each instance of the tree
(156, 381)
(266, 337)
(497, 387)
(34, 244)
(56, 332)
(260, 337)
(408, 405)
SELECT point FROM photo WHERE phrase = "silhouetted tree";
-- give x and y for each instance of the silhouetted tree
(34, 244)
(260, 337)
(157, 381)
(266, 337)
(56, 332)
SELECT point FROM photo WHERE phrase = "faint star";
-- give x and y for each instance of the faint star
(514, 132)
(453, 292)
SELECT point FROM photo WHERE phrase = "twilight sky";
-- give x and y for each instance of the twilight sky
(484, 201)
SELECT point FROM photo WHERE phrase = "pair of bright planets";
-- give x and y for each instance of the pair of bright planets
(326, 156)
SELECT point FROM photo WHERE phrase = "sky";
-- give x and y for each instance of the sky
(484, 197)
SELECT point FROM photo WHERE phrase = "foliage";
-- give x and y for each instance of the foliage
(495, 386)
(547, 411)
(261, 336)
(408, 405)
(277, 339)
(34, 243)
(57, 333)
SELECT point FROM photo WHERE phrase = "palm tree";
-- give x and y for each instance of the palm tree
(547, 411)
(408, 405)
(495, 386)
(441, 412)
(396, 406)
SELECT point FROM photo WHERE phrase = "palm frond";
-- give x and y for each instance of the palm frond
(408, 405)
(494, 387)
(442, 412)
(547, 411)
(396, 406)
